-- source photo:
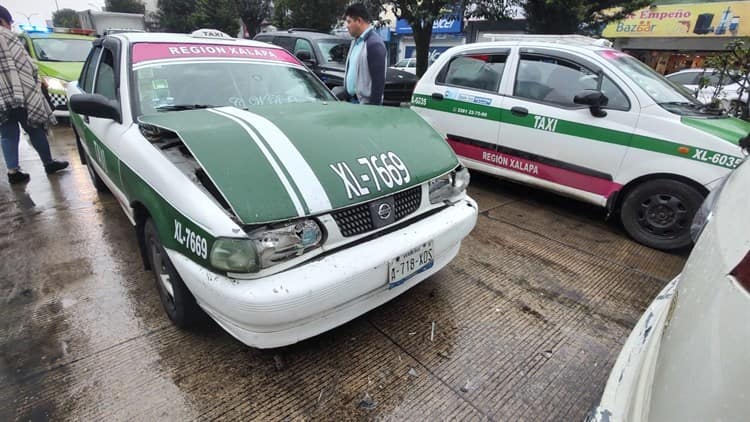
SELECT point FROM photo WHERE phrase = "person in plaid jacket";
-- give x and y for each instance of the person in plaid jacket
(22, 102)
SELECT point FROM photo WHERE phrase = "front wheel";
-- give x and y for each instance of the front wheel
(178, 302)
(658, 213)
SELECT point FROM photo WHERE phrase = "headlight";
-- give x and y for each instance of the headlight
(266, 247)
(234, 255)
(704, 213)
(54, 84)
(280, 244)
(448, 186)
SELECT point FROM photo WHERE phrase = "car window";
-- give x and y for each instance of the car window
(557, 81)
(61, 50)
(334, 50)
(285, 42)
(403, 63)
(617, 99)
(474, 71)
(105, 76)
(87, 75)
(264, 38)
(687, 78)
(244, 85)
(552, 80)
(303, 45)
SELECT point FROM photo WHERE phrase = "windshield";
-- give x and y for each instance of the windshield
(334, 50)
(671, 96)
(224, 83)
(61, 50)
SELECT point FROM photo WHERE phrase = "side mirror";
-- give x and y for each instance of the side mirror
(305, 57)
(340, 93)
(95, 105)
(594, 99)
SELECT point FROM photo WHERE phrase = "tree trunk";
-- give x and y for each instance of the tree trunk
(422, 36)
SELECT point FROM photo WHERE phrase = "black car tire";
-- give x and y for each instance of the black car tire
(658, 213)
(179, 304)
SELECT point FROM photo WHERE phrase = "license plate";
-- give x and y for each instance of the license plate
(413, 262)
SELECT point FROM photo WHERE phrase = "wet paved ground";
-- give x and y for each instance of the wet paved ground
(528, 321)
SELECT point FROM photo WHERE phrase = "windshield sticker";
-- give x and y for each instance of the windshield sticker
(143, 52)
(160, 84)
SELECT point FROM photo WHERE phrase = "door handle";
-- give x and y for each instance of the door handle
(86, 119)
(519, 111)
(438, 96)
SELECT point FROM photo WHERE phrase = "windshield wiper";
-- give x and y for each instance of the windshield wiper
(181, 107)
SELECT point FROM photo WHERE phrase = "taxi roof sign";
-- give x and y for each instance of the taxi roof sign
(210, 33)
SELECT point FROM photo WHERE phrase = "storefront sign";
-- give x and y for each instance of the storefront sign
(722, 19)
(435, 51)
(447, 25)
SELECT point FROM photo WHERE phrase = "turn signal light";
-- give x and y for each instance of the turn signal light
(742, 272)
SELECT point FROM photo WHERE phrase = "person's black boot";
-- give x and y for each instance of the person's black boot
(18, 177)
(55, 166)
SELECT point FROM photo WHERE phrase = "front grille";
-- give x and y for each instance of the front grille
(353, 221)
(358, 220)
(407, 202)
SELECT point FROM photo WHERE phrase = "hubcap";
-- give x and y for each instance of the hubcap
(162, 274)
(663, 215)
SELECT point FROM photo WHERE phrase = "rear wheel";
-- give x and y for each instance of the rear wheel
(178, 302)
(658, 213)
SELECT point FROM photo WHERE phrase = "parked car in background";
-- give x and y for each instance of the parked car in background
(727, 94)
(687, 357)
(325, 55)
(59, 54)
(410, 65)
(586, 121)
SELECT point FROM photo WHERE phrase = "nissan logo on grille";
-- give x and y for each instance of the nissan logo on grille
(384, 211)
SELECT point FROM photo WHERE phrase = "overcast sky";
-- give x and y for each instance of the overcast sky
(41, 10)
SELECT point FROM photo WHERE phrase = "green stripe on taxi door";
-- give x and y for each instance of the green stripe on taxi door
(580, 130)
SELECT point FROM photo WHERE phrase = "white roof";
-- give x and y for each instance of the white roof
(578, 40)
(135, 37)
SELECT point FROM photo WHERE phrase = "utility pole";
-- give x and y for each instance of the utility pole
(57, 6)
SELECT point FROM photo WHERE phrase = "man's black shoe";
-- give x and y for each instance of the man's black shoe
(55, 166)
(18, 177)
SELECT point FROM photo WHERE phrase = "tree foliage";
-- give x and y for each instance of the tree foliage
(216, 14)
(175, 15)
(575, 16)
(732, 66)
(66, 18)
(253, 13)
(315, 14)
(125, 6)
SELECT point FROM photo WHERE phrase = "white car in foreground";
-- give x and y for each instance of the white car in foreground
(687, 358)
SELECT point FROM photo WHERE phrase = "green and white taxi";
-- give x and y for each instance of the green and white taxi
(256, 196)
(59, 54)
(583, 120)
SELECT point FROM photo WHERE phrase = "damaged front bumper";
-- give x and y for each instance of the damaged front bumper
(328, 291)
(626, 396)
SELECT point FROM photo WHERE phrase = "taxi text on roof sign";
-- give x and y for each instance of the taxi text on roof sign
(210, 33)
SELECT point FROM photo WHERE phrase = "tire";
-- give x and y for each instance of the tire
(97, 181)
(658, 213)
(176, 299)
